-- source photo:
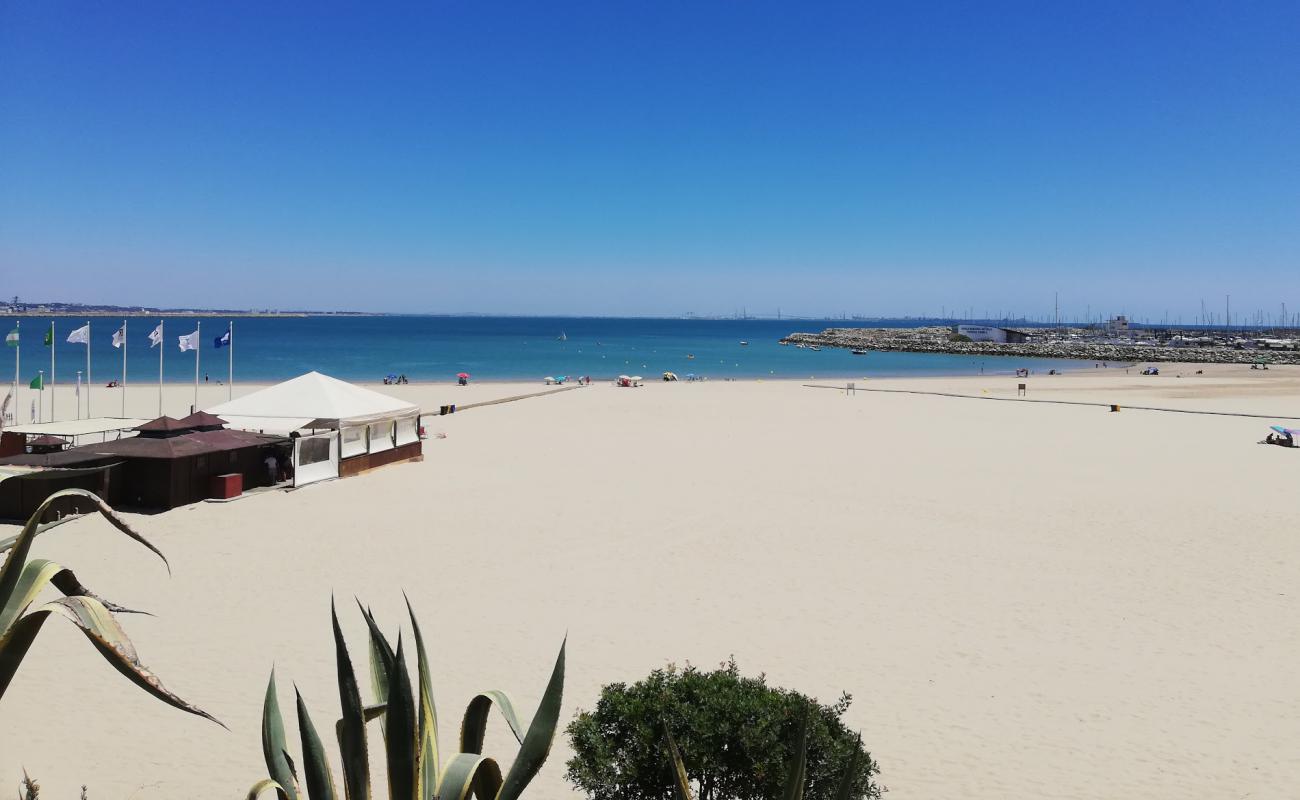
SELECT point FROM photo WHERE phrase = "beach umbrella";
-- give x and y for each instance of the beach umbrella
(462, 374)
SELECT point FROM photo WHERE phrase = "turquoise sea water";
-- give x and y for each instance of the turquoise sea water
(489, 348)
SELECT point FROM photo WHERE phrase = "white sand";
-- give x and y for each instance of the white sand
(1027, 600)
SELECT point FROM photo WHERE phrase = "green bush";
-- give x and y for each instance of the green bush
(735, 735)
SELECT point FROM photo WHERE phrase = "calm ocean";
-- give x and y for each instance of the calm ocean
(489, 348)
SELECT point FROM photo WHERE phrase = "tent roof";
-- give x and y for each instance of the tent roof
(285, 425)
(202, 419)
(320, 398)
(186, 444)
(163, 424)
(79, 427)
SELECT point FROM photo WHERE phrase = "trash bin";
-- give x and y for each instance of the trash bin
(224, 487)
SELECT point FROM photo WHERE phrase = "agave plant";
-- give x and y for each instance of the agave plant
(415, 767)
(796, 773)
(21, 619)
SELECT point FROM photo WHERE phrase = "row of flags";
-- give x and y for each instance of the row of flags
(189, 341)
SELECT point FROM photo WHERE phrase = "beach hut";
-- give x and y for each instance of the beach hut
(339, 428)
(46, 444)
(168, 464)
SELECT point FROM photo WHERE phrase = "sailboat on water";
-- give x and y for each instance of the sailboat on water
(561, 337)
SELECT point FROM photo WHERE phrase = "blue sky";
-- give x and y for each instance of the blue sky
(653, 157)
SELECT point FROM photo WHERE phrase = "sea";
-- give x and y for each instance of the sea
(437, 348)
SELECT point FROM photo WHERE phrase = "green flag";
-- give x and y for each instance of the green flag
(37, 383)
(49, 337)
(12, 338)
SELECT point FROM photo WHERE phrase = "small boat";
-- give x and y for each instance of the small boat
(562, 337)
(743, 343)
(690, 355)
(783, 344)
(815, 347)
(858, 352)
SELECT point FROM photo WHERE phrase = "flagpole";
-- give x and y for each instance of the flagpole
(78, 396)
(198, 328)
(89, 384)
(40, 404)
(230, 369)
(162, 345)
(52, 343)
(18, 351)
(124, 369)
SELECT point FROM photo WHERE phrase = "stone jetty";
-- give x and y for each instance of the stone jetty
(1080, 344)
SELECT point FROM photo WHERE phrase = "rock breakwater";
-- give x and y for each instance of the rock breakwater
(1066, 343)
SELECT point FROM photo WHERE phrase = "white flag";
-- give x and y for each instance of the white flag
(119, 336)
(189, 341)
(80, 335)
(155, 338)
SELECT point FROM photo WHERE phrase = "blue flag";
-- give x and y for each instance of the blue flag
(222, 341)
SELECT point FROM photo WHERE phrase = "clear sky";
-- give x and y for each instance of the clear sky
(652, 157)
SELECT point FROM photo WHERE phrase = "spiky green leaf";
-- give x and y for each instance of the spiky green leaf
(681, 783)
(541, 732)
(22, 544)
(352, 725)
(470, 772)
(381, 657)
(429, 766)
(797, 768)
(845, 789)
(473, 726)
(316, 766)
(103, 631)
(400, 731)
(274, 746)
(264, 785)
(35, 576)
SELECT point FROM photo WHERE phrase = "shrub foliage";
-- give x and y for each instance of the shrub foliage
(735, 735)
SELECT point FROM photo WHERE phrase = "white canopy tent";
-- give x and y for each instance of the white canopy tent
(323, 401)
(367, 421)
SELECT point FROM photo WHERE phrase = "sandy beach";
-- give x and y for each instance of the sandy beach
(1025, 599)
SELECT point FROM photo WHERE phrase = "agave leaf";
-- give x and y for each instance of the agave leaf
(35, 576)
(319, 778)
(401, 727)
(470, 772)
(796, 770)
(537, 742)
(274, 747)
(100, 627)
(681, 783)
(474, 725)
(263, 785)
(429, 766)
(381, 657)
(22, 544)
(845, 790)
(352, 725)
